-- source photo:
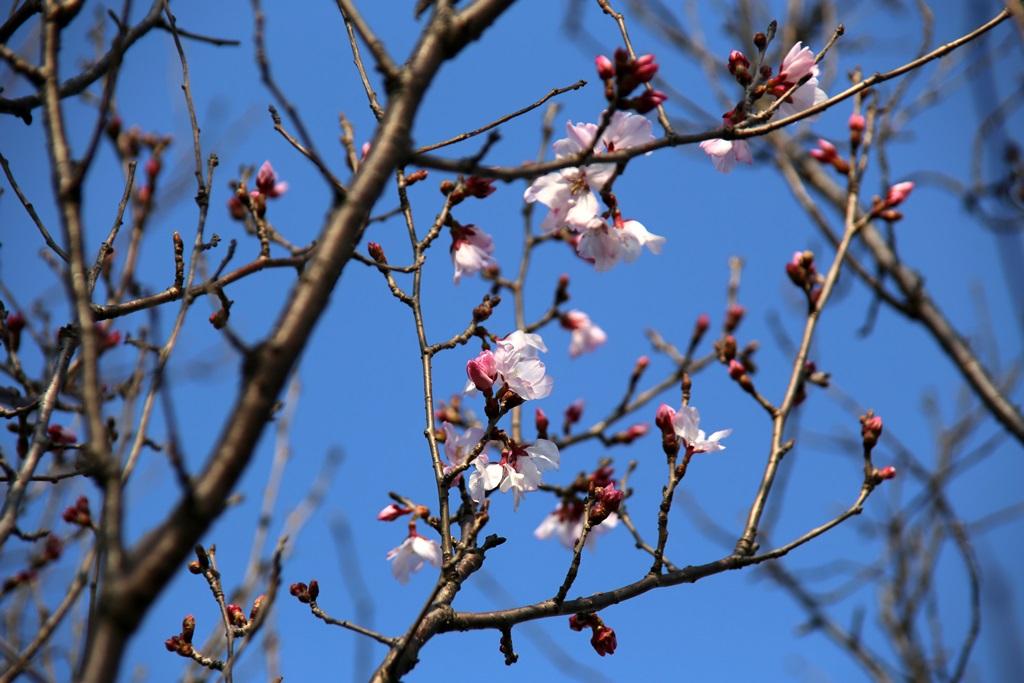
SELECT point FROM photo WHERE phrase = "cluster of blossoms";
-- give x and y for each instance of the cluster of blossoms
(519, 468)
(798, 67)
(515, 362)
(625, 75)
(267, 187)
(570, 196)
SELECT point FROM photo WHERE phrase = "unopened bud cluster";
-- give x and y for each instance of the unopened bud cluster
(305, 593)
(623, 75)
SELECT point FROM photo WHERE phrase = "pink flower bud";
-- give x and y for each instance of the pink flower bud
(482, 371)
(887, 473)
(898, 193)
(644, 68)
(266, 178)
(605, 68)
(736, 369)
(870, 429)
(479, 187)
(392, 512)
(737, 58)
(663, 418)
(857, 123)
(641, 363)
(733, 317)
(540, 420)
(606, 501)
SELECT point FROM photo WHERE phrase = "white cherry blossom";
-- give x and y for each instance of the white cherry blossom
(411, 556)
(687, 427)
(517, 363)
(605, 245)
(519, 470)
(457, 447)
(725, 154)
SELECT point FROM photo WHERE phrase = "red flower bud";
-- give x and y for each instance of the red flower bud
(540, 419)
(663, 419)
(604, 641)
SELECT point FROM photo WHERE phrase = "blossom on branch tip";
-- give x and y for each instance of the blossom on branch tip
(605, 68)
(725, 154)
(898, 193)
(569, 193)
(586, 336)
(392, 512)
(411, 555)
(472, 250)
(267, 183)
(687, 427)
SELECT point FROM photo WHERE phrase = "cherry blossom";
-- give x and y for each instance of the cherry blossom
(410, 556)
(687, 427)
(516, 361)
(586, 336)
(457, 447)
(566, 524)
(725, 154)
(797, 63)
(519, 470)
(605, 245)
(472, 250)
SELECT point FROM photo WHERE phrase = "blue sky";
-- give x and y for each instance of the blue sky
(360, 385)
